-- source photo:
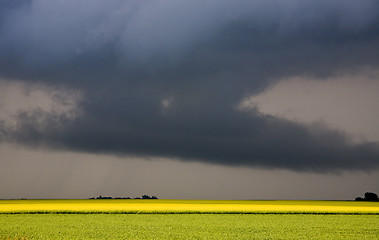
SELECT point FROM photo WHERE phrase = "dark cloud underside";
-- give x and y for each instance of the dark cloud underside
(164, 78)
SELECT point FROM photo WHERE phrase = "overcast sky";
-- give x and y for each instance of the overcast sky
(242, 99)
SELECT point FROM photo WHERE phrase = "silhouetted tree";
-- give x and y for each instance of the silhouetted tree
(145, 197)
(369, 196)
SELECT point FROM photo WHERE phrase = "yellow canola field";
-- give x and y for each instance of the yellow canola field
(187, 206)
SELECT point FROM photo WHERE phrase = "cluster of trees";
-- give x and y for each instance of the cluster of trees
(148, 197)
(143, 197)
(369, 196)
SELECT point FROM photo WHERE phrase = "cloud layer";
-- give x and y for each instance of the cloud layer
(164, 78)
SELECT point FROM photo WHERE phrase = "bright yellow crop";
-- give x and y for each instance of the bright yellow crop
(186, 206)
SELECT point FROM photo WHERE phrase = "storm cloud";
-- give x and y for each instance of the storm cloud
(166, 78)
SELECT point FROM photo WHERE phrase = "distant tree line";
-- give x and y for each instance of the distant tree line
(143, 197)
(369, 196)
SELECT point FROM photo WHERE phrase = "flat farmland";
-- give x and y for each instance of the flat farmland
(188, 226)
(187, 219)
(187, 206)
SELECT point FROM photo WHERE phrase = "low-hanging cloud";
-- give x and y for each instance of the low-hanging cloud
(164, 78)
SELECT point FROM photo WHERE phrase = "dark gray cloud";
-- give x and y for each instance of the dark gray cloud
(163, 78)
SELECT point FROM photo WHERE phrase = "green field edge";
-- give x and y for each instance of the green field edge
(191, 212)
